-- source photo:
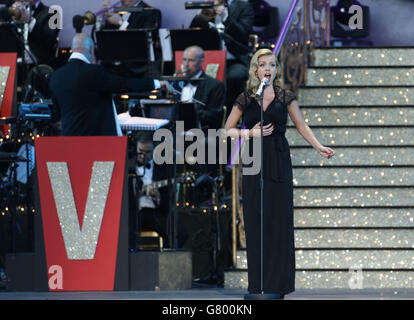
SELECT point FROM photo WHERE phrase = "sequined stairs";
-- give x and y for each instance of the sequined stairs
(354, 213)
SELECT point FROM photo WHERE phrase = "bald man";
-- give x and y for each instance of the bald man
(208, 90)
(83, 92)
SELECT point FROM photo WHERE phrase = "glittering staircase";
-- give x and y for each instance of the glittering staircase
(354, 214)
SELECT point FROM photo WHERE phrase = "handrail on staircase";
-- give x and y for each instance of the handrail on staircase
(286, 25)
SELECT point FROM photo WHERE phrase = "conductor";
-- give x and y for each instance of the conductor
(83, 92)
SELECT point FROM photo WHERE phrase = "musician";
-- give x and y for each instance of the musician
(207, 90)
(42, 39)
(152, 204)
(146, 19)
(234, 19)
(83, 92)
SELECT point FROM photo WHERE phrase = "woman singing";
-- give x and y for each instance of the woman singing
(278, 243)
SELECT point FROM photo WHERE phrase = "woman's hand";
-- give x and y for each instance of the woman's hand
(255, 131)
(325, 152)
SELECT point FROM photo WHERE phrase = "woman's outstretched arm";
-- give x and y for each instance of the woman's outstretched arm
(306, 132)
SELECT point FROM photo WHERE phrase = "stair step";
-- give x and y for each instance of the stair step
(363, 259)
(380, 156)
(351, 57)
(353, 197)
(355, 136)
(354, 238)
(354, 217)
(359, 116)
(351, 77)
(379, 279)
(369, 96)
(353, 177)
(346, 259)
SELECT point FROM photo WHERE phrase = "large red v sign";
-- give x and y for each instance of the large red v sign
(81, 184)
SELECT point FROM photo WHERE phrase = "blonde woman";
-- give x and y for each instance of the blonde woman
(278, 244)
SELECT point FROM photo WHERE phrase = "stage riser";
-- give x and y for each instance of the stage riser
(378, 156)
(355, 217)
(346, 259)
(348, 137)
(340, 177)
(397, 96)
(363, 57)
(351, 77)
(355, 197)
(348, 116)
(336, 280)
(375, 238)
(160, 270)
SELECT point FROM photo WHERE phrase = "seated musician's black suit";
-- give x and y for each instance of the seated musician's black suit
(156, 219)
(238, 26)
(83, 93)
(147, 19)
(213, 93)
(43, 39)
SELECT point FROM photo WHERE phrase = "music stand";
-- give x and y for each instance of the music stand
(174, 111)
(115, 45)
(207, 39)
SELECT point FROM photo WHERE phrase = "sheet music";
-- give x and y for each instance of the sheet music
(140, 123)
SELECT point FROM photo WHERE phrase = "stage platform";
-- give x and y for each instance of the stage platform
(212, 294)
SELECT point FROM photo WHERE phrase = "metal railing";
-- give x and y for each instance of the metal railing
(299, 37)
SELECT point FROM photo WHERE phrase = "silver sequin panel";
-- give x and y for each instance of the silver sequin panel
(80, 243)
(4, 75)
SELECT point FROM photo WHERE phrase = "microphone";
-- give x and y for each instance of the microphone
(263, 85)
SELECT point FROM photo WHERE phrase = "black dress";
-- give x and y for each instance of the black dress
(278, 243)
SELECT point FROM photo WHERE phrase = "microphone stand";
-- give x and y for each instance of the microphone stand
(261, 295)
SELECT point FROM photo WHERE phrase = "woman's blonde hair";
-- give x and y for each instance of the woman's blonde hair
(253, 82)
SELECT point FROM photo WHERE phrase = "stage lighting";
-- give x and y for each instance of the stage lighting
(341, 16)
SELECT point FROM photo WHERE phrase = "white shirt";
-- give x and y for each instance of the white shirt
(219, 22)
(33, 21)
(145, 201)
(188, 92)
